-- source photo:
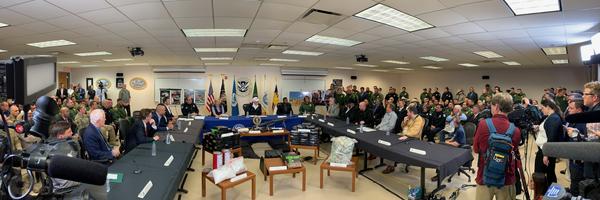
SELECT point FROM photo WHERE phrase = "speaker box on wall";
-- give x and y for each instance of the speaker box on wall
(485, 77)
(353, 77)
(119, 74)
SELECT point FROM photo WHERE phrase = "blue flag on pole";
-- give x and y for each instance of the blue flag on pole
(234, 107)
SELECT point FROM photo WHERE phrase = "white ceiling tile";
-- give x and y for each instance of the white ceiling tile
(280, 11)
(464, 28)
(454, 3)
(290, 38)
(144, 11)
(39, 9)
(77, 6)
(119, 27)
(270, 24)
(484, 10)
(13, 18)
(6, 3)
(104, 16)
(580, 5)
(431, 33)
(261, 35)
(12, 32)
(415, 7)
(449, 40)
(303, 3)
(385, 31)
(510, 34)
(157, 24)
(541, 20)
(442, 18)
(478, 36)
(39, 27)
(408, 38)
(198, 8)
(355, 24)
(233, 22)
(204, 22)
(69, 22)
(336, 32)
(500, 24)
(229, 41)
(235, 8)
(362, 37)
(349, 8)
(303, 27)
(90, 31)
(127, 2)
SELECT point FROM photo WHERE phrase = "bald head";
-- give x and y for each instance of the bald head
(14, 110)
(362, 106)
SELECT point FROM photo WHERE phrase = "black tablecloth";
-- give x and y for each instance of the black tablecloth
(445, 158)
(193, 135)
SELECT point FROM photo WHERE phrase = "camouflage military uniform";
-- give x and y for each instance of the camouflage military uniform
(109, 133)
(82, 121)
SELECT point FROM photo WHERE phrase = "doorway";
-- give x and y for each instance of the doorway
(64, 78)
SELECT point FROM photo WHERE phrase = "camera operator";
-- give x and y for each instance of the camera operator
(576, 132)
(60, 132)
(591, 99)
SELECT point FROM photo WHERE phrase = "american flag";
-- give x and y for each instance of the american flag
(210, 99)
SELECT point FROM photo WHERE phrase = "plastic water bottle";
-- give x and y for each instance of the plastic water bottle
(387, 132)
(168, 141)
(361, 127)
(153, 148)
(107, 185)
(325, 117)
(347, 120)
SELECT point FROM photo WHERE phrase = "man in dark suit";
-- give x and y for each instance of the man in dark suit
(378, 111)
(160, 118)
(363, 115)
(189, 107)
(62, 92)
(96, 146)
(349, 111)
(168, 112)
(253, 108)
(142, 131)
(284, 108)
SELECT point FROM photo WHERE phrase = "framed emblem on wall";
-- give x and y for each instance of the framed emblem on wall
(137, 83)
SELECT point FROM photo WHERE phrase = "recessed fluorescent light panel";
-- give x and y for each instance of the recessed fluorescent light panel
(270, 64)
(468, 65)
(52, 43)
(392, 17)
(304, 53)
(433, 58)
(118, 59)
(216, 58)
(214, 32)
(332, 40)
(90, 65)
(282, 60)
(511, 63)
(395, 62)
(68, 62)
(380, 70)
(405, 69)
(2, 50)
(555, 50)
(587, 51)
(365, 65)
(560, 61)
(488, 54)
(344, 68)
(3, 25)
(431, 67)
(215, 50)
(97, 53)
(137, 64)
(524, 7)
(216, 63)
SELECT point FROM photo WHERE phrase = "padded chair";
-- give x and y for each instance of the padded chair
(84, 153)
(124, 127)
(470, 129)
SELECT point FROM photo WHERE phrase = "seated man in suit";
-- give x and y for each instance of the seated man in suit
(412, 126)
(168, 112)
(349, 112)
(96, 146)
(253, 108)
(218, 108)
(161, 119)
(363, 115)
(284, 108)
(333, 110)
(142, 131)
(189, 107)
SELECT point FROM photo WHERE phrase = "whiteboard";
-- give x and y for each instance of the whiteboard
(197, 84)
(300, 84)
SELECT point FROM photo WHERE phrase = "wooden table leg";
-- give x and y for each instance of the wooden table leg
(203, 185)
(353, 180)
(316, 156)
(224, 194)
(203, 152)
(253, 188)
(321, 173)
(328, 172)
(304, 180)
(271, 185)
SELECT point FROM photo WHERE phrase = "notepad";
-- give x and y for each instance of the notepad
(172, 138)
(338, 165)
(169, 161)
(277, 168)
(185, 131)
(145, 190)
(115, 177)
(303, 130)
(278, 131)
(199, 117)
(302, 116)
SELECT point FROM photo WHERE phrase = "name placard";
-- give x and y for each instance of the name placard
(185, 131)
(338, 165)
(278, 131)
(350, 131)
(418, 151)
(277, 168)
(322, 120)
(330, 124)
(224, 118)
(227, 135)
(169, 161)
(239, 177)
(145, 190)
(302, 116)
(386, 143)
(254, 132)
(281, 116)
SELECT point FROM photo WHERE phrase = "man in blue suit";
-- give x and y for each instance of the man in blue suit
(96, 146)
(161, 119)
(142, 131)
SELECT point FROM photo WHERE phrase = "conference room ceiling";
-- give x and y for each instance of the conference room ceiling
(461, 27)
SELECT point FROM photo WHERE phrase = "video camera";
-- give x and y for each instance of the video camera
(49, 159)
(524, 119)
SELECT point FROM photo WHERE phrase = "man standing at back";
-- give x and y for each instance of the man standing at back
(501, 105)
(125, 97)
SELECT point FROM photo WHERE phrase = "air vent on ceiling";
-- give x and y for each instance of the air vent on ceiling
(316, 16)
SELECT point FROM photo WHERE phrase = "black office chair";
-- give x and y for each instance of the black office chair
(470, 129)
(84, 153)
(123, 131)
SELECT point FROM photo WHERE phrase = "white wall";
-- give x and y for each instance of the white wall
(531, 80)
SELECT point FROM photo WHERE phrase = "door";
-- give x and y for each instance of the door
(64, 78)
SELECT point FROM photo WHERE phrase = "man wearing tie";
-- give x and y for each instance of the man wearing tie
(284, 108)
(142, 131)
(62, 92)
(96, 146)
(160, 118)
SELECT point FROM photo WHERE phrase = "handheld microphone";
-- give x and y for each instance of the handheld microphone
(75, 169)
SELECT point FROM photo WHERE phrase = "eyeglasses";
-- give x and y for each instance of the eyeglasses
(588, 94)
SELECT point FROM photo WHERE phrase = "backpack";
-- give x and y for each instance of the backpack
(499, 155)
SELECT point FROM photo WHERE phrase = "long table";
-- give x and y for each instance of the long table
(447, 160)
(139, 166)
(210, 122)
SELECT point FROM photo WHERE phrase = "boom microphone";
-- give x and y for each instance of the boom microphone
(585, 117)
(74, 169)
(585, 151)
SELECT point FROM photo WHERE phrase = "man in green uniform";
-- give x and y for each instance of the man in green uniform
(403, 93)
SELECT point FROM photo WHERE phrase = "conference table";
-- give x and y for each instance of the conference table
(139, 167)
(286, 122)
(446, 159)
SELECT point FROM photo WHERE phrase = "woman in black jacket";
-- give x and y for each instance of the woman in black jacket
(550, 130)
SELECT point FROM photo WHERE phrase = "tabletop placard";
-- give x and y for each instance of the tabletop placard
(338, 165)
(169, 161)
(144, 191)
(322, 120)
(238, 177)
(386, 143)
(418, 151)
(350, 131)
(330, 124)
